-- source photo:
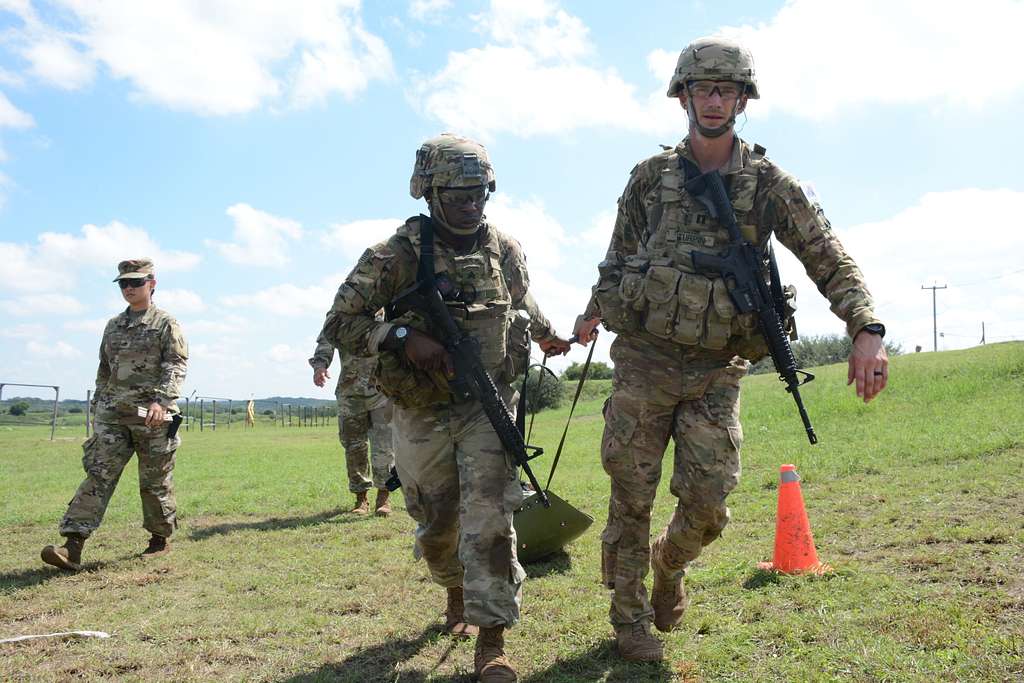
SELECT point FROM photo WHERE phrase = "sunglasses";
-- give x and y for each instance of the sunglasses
(132, 282)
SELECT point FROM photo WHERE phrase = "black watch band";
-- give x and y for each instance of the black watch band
(874, 328)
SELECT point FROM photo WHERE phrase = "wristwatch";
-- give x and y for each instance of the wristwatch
(401, 334)
(874, 328)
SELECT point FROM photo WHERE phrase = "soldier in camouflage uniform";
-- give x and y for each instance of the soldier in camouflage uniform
(682, 347)
(459, 483)
(363, 414)
(143, 357)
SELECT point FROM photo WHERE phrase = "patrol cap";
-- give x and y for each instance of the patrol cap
(135, 267)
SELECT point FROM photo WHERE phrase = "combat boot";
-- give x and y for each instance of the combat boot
(67, 556)
(362, 504)
(669, 600)
(492, 666)
(381, 507)
(158, 545)
(455, 616)
(637, 643)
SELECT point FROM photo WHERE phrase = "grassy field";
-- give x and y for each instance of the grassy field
(916, 500)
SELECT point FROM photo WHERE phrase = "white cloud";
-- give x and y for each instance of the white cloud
(52, 350)
(24, 331)
(37, 304)
(261, 239)
(427, 10)
(944, 252)
(180, 301)
(286, 300)
(226, 324)
(93, 327)
(215, 57)
(545, 87)
(353, 238)
(816, 57)
(12, 117)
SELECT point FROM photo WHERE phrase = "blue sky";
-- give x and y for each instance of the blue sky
(253, 149)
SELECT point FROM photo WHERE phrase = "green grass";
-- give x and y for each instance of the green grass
(916, 500)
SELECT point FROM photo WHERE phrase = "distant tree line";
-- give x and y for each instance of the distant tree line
(827, 349)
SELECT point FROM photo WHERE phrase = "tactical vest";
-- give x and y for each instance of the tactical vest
(481, 306)
(674, 301)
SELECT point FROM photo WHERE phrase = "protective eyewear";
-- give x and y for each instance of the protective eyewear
(455, 197)
(727, 90)
(132, 282)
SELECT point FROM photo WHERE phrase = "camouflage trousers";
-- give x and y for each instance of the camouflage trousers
(355, 429)
(661, 390)
(105, 454)
(462, 489)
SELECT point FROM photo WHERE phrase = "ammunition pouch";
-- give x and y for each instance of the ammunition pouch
(517, 346)
(403, 383)
(618, 290)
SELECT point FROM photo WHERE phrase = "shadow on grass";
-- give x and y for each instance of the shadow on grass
(27, 578)
(379, 663)
(761, 578)
(273, 524)
(601, 663)
(556, 563)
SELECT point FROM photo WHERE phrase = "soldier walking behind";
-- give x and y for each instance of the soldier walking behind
(143, 358)
(364, 414)
(682, 346)
(459, 483)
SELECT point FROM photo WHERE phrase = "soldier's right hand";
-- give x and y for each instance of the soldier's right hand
(426, 353)
(320, 376)
(585, 329)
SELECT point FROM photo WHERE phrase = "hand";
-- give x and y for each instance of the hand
(868, 365)
(586, 329)
(426, 353)
(155, 415)
(556, 346)
(320, 376)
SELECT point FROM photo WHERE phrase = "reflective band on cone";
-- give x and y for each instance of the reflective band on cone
(794, 544)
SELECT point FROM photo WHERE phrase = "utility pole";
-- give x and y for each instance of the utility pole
(935, 326)
(982, 332)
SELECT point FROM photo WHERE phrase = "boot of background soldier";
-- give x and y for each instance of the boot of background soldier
(67, 556)
(158, 545)
(381, 507)
(455, 619)
(637, 643)
(490, 662)
(362, 506)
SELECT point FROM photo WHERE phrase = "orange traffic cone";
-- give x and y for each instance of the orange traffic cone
(794, 545)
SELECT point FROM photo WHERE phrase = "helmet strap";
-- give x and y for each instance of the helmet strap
(437, 213)
(716, 132)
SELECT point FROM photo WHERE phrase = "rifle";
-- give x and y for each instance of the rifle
(471, 381)
(740, 266)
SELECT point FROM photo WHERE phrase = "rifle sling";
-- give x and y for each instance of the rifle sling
(572, 409)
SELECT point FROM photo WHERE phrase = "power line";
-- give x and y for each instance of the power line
(990, 279)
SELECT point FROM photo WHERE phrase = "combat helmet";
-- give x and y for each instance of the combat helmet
(714, 59)
(450, 161)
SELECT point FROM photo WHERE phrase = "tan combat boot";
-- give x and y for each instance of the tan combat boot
(492, 666)
(455, 619)
(67, 556)
(669, 600)
(381, 507)
(637, 643)
(362, 504)
(158, 545)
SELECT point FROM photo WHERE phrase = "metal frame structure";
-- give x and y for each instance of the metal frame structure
(56, 399)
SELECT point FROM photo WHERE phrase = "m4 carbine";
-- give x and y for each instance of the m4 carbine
(471, 379)
(740, 266)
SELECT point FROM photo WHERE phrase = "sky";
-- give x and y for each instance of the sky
(255, 148)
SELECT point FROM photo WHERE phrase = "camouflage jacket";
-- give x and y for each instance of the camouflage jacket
(390, 267)
(355, 377)
(142, 359)
(780, 207)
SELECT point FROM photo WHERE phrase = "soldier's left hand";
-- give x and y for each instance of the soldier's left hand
(155, 415)
(868, 365)
(556, 346)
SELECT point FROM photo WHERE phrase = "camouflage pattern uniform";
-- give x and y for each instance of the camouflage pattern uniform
(459, 484)
(363, 414)
(682, 349)
(142, 360)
